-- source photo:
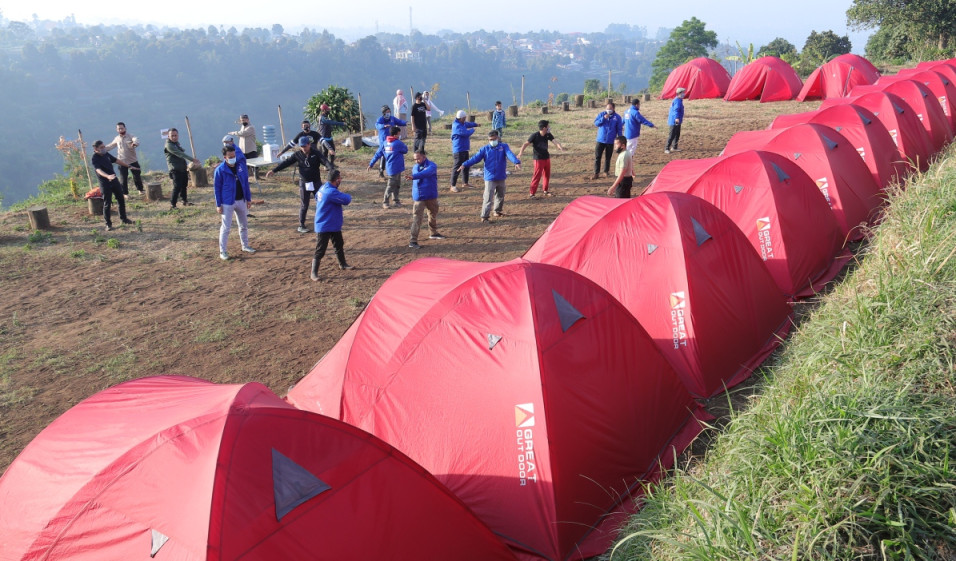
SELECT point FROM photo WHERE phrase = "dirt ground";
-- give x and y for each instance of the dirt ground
(83, 309)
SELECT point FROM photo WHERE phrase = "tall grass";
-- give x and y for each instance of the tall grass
(848, 451)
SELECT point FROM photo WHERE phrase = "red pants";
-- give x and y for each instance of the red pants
(542, 174)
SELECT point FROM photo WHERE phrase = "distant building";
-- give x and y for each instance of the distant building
(408, 56)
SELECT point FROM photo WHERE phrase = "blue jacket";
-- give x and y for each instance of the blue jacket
(328, 208)
(633, 121)
(498, 119)
(425, 184)
(224, 181)
(608, 129)
(461, 136)
(394, 151)
(676, 112)
(383, 124)
(496, 168)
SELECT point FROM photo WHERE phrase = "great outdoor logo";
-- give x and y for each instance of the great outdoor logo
(824, 185)
(942, 101)
(527, 464)
(764, 239)
(893, 135)
(678, 325)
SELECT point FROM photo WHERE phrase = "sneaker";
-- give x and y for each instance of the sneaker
(397, 204)
(595, 176)
(466, 186)
(532, 196)
(484, 220)
(302, 230)
(455, 189)
(499, 213)
(248, 249)
(675, 149)
(127, 221)
(436, 237)
(172, 207)
(224, 256)
(667, 150)
(109, 228)
(346, 267)
(414, 245)
(548, 194)
(187, 204)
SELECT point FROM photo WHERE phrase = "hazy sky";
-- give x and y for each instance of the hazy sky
(744, 21)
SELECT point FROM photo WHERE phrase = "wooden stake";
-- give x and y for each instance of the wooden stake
(281, 128)
(522, 90)
(189, 131)
(86, 163)
(361, 115)
(468, 98)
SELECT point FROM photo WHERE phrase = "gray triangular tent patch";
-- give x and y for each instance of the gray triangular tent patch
(493, 340)
(831, 145)
(781, 175)
(651, 248)
(700, 233)
(158, 541)
(796, 155)
(292, 484)
(566, 312)
(838, 129)
(738, 189)
(897, 108)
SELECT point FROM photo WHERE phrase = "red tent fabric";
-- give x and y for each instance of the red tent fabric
(900, 120)
(768, 79)
(864, 131)
(685, 271)
(940, 84)
(702, 78)
(838, 77)
(922, 100)
(777, 207)
(830, 161)
(181, 469)
(526, 388)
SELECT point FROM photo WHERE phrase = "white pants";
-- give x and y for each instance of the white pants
(239, 209)
(632, 145)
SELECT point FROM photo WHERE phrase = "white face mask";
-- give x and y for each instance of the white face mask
(388, 115)
(231, 161)
(493, 142)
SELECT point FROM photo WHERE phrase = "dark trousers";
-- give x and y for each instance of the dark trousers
(322, 243)
(327, 149)
(180, 181)
(623, 189)
(124, 177)
(305, 197)
(420, 135)
(113, 188)
(606, 150)
(460, 158)
(674, 136)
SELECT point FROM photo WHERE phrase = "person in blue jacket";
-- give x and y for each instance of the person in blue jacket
(496, 172)
(424, 178)
(675, 118)
(231, 185)
(498, 119)
(632, 125)
(393, 152)
(328, 222)
(383, 125)
(609, 126)
(461, 131)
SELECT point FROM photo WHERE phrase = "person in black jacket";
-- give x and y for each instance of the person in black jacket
(314, 136)
(310, 178)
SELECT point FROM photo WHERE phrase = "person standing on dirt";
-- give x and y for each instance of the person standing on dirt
(498, 121)
(314, 137)
(427, 99)
(495, 155)
(126, 151)
(247, 137)
(675, 118)
(632, 125)
(231, 185)
(177, 161)
(461, 131)
(419, 122)
(393, 152)
(542, 158)
(326, 143)
(424, 178)
(623, 171)
(400, 105)
(310, 176)
(383, 125)
(328, 222)
(103, 164)
(609, 126)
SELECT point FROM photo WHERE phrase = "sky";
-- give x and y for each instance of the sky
(743, 21)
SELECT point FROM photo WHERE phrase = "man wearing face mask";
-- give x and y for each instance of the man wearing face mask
(231, 183)
(495, 155)
(325, 132)
(177, 162)
(247, 137)
(383, 125)
(609, 126)
(461, 131)
(314, 137)
(310, 177)
(109, 186)
(542, 158)
(623, 170)
(126, 151)
(393, 152)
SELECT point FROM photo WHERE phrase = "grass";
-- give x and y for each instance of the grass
(849, 452)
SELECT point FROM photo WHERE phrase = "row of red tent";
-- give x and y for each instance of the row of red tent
(480, 411)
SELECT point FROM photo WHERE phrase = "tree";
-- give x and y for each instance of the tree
(342, 107)
(778, 48)
(688, 41)
(933, 19)
(821, 47)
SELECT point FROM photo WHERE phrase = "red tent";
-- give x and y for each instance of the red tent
(685, 271)
(526, 388)
(921, 99)
(831, 161)
(838, 77)
(900, 120)
(940, 84)
(702, 78)
(768, 79)
(181, 469)
(777, 207)
(865, 132)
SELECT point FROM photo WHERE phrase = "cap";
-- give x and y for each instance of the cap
(228, 139)
(305, 140)
(324, 107)
(681, 90)
(461, 114)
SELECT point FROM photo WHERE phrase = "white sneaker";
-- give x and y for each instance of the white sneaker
(248, 250)
(224, 256)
